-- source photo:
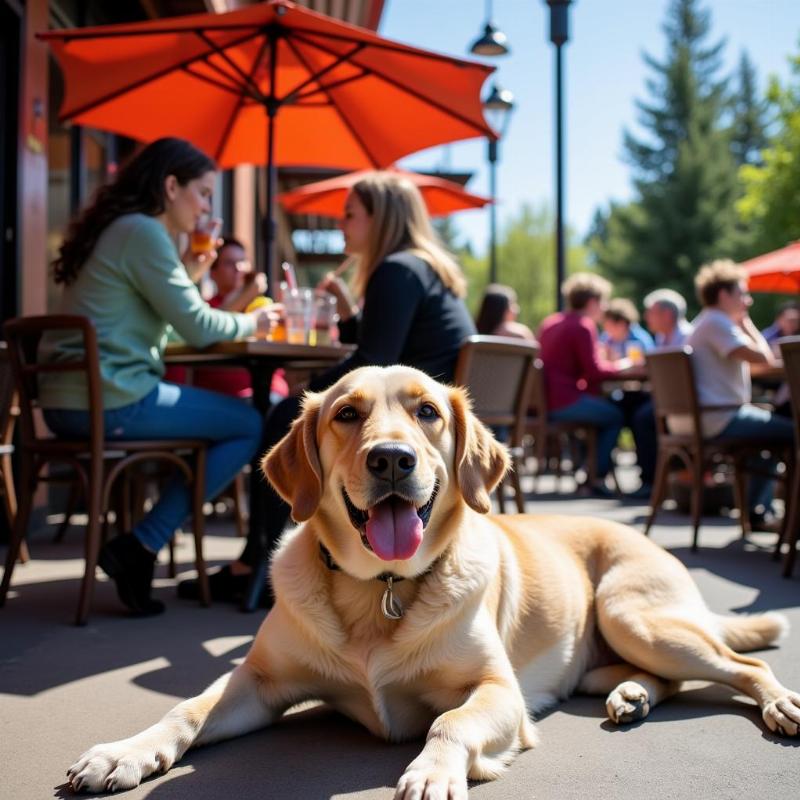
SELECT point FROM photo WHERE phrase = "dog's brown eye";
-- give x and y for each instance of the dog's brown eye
(346, 414)
(427, 411)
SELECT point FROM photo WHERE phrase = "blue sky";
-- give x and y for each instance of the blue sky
(604, 74)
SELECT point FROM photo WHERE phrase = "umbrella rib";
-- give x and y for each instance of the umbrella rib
(346, 122)
(246, 79)
(316, 76)
(141, 82)
(397, 47)
(226, 134)
(328, 86)
(409, 90)
(238, 91)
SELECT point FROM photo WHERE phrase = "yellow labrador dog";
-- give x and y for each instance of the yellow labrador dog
(401, 603)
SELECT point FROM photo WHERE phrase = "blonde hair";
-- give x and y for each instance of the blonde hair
(400, 221)
(582, 287)
(716, 276)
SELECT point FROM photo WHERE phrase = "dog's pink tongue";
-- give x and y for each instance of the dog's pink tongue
(394, 530)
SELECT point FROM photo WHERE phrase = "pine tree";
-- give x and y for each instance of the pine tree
(683, 173)
(748, 134)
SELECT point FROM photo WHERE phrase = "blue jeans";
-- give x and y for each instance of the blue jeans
(601, 414)
(765, 428)
(231, 427)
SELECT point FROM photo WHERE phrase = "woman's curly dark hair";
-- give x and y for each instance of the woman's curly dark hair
(139, 187)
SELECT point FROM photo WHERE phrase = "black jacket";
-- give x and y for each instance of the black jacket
(409, 318)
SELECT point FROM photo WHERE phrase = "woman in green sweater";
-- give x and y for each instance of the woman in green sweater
(120, 267)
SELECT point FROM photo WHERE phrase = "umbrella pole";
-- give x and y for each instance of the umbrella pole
(268, 223)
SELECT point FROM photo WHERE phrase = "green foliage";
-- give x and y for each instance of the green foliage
(526, 261)
(684, 172)
(749, 126)
(771, 202)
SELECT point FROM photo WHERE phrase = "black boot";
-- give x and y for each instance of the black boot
(131, 565)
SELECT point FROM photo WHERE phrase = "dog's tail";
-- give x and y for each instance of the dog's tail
(753, 631)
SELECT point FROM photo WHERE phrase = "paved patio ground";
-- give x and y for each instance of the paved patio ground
(63, 689)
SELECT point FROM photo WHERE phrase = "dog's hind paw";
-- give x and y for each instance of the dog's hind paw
(783, 715)
(629, 702)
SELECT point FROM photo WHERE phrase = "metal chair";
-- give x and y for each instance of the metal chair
(497, 371)
(97, 463)
(790, 353)
(674, 390)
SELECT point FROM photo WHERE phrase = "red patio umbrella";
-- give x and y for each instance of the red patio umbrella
(272, 84)
(326, 198)
(778, 271)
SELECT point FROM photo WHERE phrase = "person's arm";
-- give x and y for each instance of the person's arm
(392, 298)
(158, 274)
(756, 350)
(593, 367)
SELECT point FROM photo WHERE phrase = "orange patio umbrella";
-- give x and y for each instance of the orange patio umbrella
(326, 198)
(274, 84)
(778, 271)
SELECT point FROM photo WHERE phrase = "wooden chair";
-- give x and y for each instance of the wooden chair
(674, 390)
(497, 372)
(97, 463)
(9, 411)
(790, 353)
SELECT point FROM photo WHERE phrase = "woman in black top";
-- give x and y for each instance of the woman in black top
(409, 309)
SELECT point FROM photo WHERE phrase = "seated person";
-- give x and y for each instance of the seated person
(787, 323)
(665, 315)
(498, 314)
(120, 267)
(622, 335)
(236, 285)
(574, 367)
(725, 343)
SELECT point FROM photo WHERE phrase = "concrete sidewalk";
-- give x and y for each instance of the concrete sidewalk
(63, 689)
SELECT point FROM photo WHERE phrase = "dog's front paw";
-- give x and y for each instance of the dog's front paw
(115, 766)
(424, 780)
(783, 715)
(629, 702)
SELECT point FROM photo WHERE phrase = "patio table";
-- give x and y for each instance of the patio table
(261, 358)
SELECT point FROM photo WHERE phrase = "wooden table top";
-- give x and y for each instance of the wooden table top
(252, 348)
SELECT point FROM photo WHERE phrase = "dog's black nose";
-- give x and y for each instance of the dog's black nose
(391, 461)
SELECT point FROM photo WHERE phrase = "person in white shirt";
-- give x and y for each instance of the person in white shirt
(665, 315)
(725, 343)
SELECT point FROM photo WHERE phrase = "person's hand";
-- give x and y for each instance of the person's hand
(255, 284)
(267, 317)
(198, 264)
(345, 306)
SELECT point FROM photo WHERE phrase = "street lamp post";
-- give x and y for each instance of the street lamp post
(559, 35)
(497, 107)
(492, 42)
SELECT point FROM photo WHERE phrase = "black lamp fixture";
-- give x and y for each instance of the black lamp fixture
(493, 42)
(559, 35)
(497, 108)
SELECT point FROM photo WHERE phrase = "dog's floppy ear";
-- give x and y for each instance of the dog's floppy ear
(481, 461)
(293, 465)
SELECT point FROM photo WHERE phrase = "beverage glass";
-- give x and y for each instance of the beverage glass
(635, 352)
(325, 318)
(299, 309)
(203, 238)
